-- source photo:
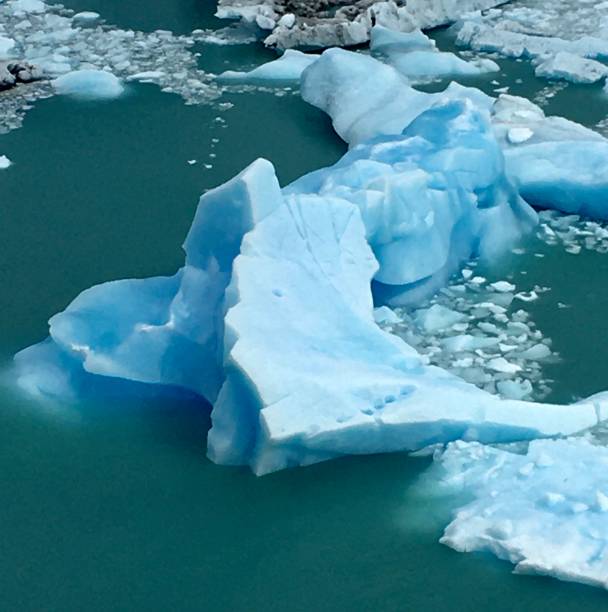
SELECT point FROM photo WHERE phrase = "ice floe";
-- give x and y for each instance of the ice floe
(542, 509)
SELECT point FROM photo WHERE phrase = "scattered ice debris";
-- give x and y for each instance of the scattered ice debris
(475, 329)
(55, 41)
(543, 509)
(89, 84)
(5, 162)
(288, 67)
(330, 23)
(573, 232)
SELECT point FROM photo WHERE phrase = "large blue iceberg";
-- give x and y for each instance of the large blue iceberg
(271, 317)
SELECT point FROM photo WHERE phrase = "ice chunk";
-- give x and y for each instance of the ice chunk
(288, 67)
(518, 135)
(571, 67)
(5, 162)
(414, 55)
(86, 17)
(89, 84)
(27, 6)
(385, 315)
(544, 510)
(437, 317)
(7, 46)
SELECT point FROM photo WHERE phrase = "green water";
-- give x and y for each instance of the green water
(112, 505)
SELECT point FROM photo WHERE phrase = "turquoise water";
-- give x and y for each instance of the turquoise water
(111, 504)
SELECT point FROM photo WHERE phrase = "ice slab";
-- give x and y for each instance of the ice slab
(89, 84)
(288, 67)
(570, 67)
(414, 55)
(544, 510)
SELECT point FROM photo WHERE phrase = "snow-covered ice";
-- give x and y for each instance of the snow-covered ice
(544, 510)
(89, 84)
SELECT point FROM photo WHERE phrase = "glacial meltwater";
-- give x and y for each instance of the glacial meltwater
(111, 503)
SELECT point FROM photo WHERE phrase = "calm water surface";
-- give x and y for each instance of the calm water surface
(111, 504)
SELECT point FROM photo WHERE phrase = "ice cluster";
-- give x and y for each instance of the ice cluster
(543, 509)
(57, 41)
(329, 23)
(565, 40)
(272, 320)
(573, 232)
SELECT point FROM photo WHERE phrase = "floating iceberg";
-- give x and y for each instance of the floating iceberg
(288, 67)
(89, 84)
(417, 58)
(272, 320)
(544, 510)
(5, 162)
(572, 68)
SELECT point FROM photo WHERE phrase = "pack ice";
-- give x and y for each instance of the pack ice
(271, 318)
(554, 162)
(544, 510)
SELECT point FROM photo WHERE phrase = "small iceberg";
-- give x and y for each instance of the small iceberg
(89, 84)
